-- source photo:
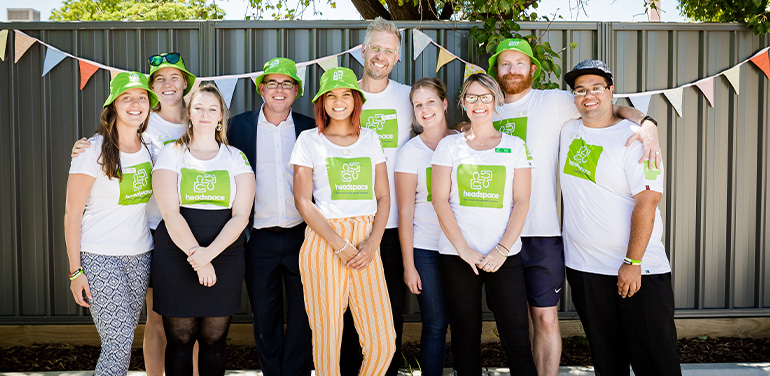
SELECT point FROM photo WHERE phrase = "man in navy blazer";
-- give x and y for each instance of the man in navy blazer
(277, 230)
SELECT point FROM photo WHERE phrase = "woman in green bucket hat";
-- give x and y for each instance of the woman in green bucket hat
(106, 233)
(342, 167)
(171, 82)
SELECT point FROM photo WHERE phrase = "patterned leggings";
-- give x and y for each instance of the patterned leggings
(118, 285)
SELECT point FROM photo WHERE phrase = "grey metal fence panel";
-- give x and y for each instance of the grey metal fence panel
(715, 206)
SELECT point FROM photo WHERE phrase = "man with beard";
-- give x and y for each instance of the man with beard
(267, 138)
(537, 116)
(388, 112)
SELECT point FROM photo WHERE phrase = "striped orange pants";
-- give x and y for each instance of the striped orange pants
(330, 288)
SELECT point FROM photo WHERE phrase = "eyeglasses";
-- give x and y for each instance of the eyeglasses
(594, 91)
(386, 51)
(473, 98)
(171, 57)
(288, 85)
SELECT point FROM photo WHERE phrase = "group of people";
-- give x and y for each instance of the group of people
(342, 212)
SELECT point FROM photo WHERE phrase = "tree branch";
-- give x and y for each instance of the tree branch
(371, 9)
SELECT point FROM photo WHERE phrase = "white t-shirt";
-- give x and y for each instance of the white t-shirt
(599, 178)
(389, 113)
(537, 119)
(159, 132)
(414, 158)
(481, 193)
(343, 176)
(208, 184)
(115, 218)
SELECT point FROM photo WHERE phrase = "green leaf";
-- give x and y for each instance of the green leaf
(573, 45)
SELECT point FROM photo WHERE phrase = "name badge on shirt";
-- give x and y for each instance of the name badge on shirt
(502, 150)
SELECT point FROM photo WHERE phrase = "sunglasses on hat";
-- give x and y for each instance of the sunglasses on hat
(172, 58)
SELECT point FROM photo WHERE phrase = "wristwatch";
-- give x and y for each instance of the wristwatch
(648, 117)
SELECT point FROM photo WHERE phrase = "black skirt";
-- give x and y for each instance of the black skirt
(177, 292)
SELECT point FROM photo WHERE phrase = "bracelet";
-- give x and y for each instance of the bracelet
(630, 261)
(647, 117)
(501, 252)
(347, 243)
(504, 247)
(76, 273)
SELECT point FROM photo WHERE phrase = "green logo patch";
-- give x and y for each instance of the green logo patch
(582, 159)
(205, 187)
(350, 178)
(481, 186)
(385, 123)
(136, 184)
(514, 126)
(650, 174)
(428, 178)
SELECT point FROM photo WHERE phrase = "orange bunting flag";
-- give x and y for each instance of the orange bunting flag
(21, 44)
(444, 57)
(761, 61)
(86, 71)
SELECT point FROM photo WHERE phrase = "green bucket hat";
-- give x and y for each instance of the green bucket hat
(336, 78)
(129, 80)
(280, 65)
(519, 45)
(165, 63)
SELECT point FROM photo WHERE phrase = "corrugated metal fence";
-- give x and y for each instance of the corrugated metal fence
(715, 208)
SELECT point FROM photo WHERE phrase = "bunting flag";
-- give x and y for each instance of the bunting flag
(86, 71)
(226, 86)
(3, 42)
(761, 61)
(328, 63)
(733, 76)
(254, 78)
(114, 72)
(641, 103)
(471, 69)
(674, 97)
(193, 89)
(52, 58)
(301, 74)
(444, 57)
(706, 86)
(356, 53)
(420, 40)
(22, 43)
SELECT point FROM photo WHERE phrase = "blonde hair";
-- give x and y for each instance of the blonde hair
(381, 24)
(488, 83)
(221, 134)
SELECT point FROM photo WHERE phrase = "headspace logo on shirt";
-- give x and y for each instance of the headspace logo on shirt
(582, 160)
(135, 184)
(350, 178)
(385, 123)
(516, 126)
(481, 186)
(204, 187)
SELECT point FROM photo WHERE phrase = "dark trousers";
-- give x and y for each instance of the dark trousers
(272, 263)
(392, 261)
(506, 297)
(637, 331)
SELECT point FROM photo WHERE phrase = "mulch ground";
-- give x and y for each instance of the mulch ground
(58, 357)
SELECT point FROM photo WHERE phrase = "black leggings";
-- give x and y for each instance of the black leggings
(181, 334)
(506, 297)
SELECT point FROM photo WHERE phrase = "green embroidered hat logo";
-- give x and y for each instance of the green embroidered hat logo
(385, 123)
(582, 160)
(481, 186)
(350, 178)
(205, 187)
(136, 184)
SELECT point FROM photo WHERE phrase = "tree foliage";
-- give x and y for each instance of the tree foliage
(754, 13)
(136, 10)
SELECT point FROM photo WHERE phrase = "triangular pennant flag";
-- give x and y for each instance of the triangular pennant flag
(356, 53)
(52, 58)
(403, 37)
(193, 89)
(471, 69)
(328, 63)
(706, 86)
(21, 44)
(301, 74)
(114, 73)
(3, 43)
(420, 41)
(674, 97)
(86, 71)
(226, 86)
(761, 61)
(641, 103)
(734, 77)
(444, 57)
(254, 77)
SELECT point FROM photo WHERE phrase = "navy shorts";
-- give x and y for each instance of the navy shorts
(543, 261)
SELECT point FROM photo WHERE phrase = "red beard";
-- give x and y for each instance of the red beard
(510, 86)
